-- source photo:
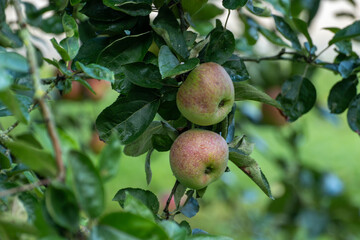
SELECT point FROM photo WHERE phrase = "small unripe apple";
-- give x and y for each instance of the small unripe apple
(75, 92)
(100, 87)
(207, 95)
(198, 157)
(96, 144)
(271, 115)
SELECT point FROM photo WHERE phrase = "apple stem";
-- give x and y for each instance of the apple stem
(166, 209)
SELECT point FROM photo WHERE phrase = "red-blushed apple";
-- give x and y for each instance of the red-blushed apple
(198, 157)
(75, 92)
(96, 144)
(100, 87)
(271, 115)
(207, 95)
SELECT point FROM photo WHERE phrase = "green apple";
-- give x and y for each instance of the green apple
(207, 95)
(198, 157)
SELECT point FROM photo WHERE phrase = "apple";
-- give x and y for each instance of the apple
(198, 157)
(96, 144)
(207, 95)
(75, 92)
(271, 115)
(100, 87)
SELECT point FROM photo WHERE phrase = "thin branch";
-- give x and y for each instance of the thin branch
(227, 18)
(39, 93)
(166, 209)
(24, 188)
(322, 51)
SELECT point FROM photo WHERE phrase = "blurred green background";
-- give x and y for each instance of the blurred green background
(312, 165)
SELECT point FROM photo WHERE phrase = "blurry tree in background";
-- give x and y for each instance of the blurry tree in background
(53, 165)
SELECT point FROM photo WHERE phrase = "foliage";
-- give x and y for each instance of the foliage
(145, 49)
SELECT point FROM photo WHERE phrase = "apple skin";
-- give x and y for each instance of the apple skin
(96, 144)
(75, 92)
(271, 115)
(198, 157)
(100, 87)
(207, 95)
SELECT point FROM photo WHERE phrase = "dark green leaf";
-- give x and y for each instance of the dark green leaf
(167, 60)
(272, 37)
(221, 45)
(233, 4)
(52, 24)
(17, 104)
(148, 171)
(148, 198)
(190, 38)
(236, 69)
(206, 13)
(100, 232)
(161, 142)
(62, 206)
(297, 97)
(303, 28)
(353, 114)
(5, 162)
(184, 67)
(285, 29)
(345, 47)
(166, 25)
(125, 50)
(173, 229)
(96, 10)
(341, 95)
(143, 229)
(251, 168)
(131, 7)
(179, 193)
(38, 160)
(143, 143)
(89, 50)
(110, 158)
(191, 208)
(256, 10)
(129, 116)
(244, 91)
(192, 6)
(8, 38)
(70, 26)
(170, 130)
(63, 53)
(89, 189)
(136, 206)
(348, 32)
(113, 28)
(142, 74)
(96, 71)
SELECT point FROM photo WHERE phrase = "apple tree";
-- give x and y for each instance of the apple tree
(153, 54)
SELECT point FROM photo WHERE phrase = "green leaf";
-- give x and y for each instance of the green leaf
(192, 6)
(353, 114)
(5, 161)
(347, 67)
(251, 168)
(37, 159)
(129, 116)
(96, 71)
(148, 171)
(13, 61)
(125, 50)
(11, 228)
(184, 67)
(142, 74)
(349, 32)
(71, 45)
(257, 10)
(167, 60)
(166, 25)
(179, 193)
(70, 26)
(89, 50)
(136, 206)
(170, 130)
(161, 142)
(134, 225)
(272, 37)
(173, 229)
(285, 29)
(110, 158)
(297, 97)
(17, 105)
(236, 69)
(113, 28)
(206, 13)
(221, 45)
(6, 79)
(62, 206)
(96, 10)
(148, 198)
(143, 143)
(89, 190)
(131, 7)
(233, 4)
(107, 232)
(191, 208)
(341, 95)
(244, 91)
(303, 28)
(8, 38)
(63, 53)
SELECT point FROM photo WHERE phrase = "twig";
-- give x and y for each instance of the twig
(322, 52)
(24, 188)
(305, 70)
(166, 209)
(39, 93)
(227, 18)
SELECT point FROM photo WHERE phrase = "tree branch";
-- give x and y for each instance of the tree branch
(24, 188)
(166, 209)
(39, 93)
